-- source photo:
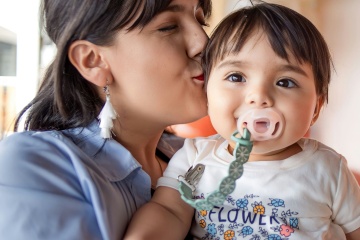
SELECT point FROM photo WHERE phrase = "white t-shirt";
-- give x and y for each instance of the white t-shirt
(311, 195)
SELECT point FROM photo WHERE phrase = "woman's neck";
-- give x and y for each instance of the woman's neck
(142, 145)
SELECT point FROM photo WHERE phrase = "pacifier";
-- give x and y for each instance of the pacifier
(263, 124)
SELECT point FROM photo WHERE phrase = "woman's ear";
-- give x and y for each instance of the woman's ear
(318, 107)
(88, 60)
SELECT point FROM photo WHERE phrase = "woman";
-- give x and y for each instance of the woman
(61, 179)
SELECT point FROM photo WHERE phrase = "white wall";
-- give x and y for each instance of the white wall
(339, 124)
(21, 17)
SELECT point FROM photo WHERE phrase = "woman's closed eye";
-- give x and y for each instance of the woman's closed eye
(286, 83)
(235, 77)
(168, 28)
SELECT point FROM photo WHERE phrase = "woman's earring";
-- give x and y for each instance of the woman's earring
(106, 116)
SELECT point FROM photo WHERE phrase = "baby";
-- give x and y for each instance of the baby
(267, 69)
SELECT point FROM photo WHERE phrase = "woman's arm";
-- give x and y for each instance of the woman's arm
(166, 216)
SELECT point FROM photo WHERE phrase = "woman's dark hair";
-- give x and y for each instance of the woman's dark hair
(65, 99)
(286, 31)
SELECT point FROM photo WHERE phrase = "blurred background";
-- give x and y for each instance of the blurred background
(25, 51)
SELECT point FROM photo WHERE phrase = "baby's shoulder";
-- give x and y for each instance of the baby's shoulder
(200, 143)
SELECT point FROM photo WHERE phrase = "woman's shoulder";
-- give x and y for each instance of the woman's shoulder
(41, 170)
(28, 143)
(37, 160)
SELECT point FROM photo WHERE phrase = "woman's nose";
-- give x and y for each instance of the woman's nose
(197, 41)
(259, 97)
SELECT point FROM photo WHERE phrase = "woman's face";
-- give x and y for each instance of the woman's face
(156, 70)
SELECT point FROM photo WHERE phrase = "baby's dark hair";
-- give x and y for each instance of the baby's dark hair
(287, 31)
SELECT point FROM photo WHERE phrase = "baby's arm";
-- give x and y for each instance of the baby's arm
(355, 235)
(166, 216)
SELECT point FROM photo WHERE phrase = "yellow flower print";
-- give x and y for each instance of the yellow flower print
(258, 208)
(202, 223)
(203, 213)
(229, 234)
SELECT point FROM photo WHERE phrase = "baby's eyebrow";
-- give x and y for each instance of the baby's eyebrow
(283, 68)
(228, 63)
(293, 68)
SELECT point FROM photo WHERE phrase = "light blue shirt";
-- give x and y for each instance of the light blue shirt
(68, 185)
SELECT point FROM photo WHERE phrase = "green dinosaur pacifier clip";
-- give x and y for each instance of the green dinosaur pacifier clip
(227, 185)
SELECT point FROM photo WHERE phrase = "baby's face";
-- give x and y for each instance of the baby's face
(257, 78)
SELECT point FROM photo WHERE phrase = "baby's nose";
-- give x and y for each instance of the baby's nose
(259, 97)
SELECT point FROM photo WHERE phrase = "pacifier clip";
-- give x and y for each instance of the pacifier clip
(187, 185)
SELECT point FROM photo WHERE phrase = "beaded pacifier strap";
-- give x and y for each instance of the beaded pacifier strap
(188, 183)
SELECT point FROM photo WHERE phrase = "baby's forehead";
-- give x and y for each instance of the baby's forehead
(245, 59)
(233, 46)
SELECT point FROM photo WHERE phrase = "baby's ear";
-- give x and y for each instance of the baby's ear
(318, 107)
(88, 60)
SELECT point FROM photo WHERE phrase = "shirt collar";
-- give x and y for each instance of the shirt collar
(113, 159)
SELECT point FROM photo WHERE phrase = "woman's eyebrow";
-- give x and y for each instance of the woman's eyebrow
(178, 8)
(174, 8)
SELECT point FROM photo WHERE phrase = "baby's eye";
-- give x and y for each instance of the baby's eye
(168, 28)
(235, 77)
(286, 83)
